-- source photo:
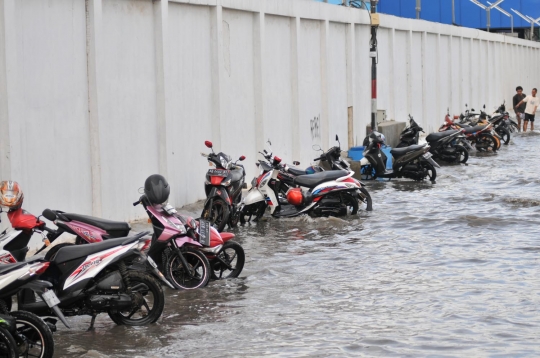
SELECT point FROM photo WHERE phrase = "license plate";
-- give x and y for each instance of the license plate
(50, 298)
(427, 155)
(151, 262)
(204, 232)
(218, 172)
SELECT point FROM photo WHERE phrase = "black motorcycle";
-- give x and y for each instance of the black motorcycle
(223, 187)
(413, 162)
(443, 145)
(93, 279)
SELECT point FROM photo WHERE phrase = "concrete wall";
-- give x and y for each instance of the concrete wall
(96, 95)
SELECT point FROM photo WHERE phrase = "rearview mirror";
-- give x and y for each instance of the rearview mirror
(316, 147)
(242, 158)
(208, 144)
(296, 162)
(49, 214)
(337, 138)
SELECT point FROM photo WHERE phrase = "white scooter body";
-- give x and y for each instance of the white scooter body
(263, 192)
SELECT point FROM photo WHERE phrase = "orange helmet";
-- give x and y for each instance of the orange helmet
(295, 196)
(11, 195)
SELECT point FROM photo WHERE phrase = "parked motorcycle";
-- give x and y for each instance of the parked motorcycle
(33, 336)
(190, 250)
(480, 136)
(328, 193)
(443, 145)
(93, 279)
(413, 162)
(223, 187)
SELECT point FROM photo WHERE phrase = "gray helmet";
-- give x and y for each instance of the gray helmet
(157, 189)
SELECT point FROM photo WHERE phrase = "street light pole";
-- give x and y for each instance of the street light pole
(507, 14)
(373, 55)
(533, 21)
(453, 13)
(488, 10)
(418, 8)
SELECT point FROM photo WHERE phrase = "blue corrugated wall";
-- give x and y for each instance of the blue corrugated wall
(467, 13)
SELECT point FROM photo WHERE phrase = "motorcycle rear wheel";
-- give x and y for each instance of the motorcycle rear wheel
(8, 346)
(351, 203)
(431, 172)
(252, 211)
(142, 284)
(489, 142)
(38, 335)
(180, 277)
(218, 214)
(505, 135)
(462, 154)
(233, 254)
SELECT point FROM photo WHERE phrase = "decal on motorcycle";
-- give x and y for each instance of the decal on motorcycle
(87, 234)
(94, 264)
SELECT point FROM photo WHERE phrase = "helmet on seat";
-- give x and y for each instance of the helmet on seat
(157, 189)
(11, 195)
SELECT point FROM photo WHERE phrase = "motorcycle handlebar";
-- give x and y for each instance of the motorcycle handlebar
(136, 203)
(317, 158)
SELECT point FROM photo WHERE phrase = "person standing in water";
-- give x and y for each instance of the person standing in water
(530, 110)
(520, 111)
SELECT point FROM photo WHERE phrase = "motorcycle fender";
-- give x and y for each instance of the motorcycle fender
(219, 192)
(254, 196)
(183, 240)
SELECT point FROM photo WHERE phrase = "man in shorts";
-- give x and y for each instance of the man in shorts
(520, 111)
(532, 105)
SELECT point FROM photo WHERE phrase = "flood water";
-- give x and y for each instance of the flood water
(450, 269)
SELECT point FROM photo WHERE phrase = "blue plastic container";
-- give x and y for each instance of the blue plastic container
(357, 153)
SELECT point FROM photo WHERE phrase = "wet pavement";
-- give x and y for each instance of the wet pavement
(450, 269)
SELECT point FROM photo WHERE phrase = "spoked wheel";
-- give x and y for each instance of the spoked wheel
(229, 262)
(350, 202)
(486, 143)
(194, 276)
(462, 154)
(505, 135)
(364, 198)
(36, 333)
(217, 214)
(368, 172)
(252, 212)
(431, 173)
(8, 346)
(148, 301)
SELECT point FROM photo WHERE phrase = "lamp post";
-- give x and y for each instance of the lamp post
(488, 10)
(418, 8)
(504, 12)
(373, 55)
(533, 21)
(528, 19)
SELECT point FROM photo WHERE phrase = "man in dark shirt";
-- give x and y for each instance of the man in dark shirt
(520, 111)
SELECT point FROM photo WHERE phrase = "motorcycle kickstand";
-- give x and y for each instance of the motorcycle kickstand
(91, 328)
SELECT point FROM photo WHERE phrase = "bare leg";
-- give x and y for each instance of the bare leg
(525, 122)
(519, 121)
(532, 126)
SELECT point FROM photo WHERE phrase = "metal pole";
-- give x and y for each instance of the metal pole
(512, 23)
(373, 54)
(418, 8)
(488, 10)
(453, 13)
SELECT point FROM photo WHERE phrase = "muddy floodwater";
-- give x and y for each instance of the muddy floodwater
(450, 269)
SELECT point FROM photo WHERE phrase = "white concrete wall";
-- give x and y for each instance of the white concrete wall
(96, 95)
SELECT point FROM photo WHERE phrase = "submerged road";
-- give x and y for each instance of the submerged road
(450, 269)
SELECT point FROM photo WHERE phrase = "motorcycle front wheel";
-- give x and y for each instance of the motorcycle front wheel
(229, 262)
(365, 198)
(487, 142)
(148, 295)
(36, 333)
(188, 278)
(217, 214)
(505, 135)
(252, 212)
(462, 154)
(431, 173)
(8, 346)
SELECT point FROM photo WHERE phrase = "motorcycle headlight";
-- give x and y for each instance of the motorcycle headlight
(223, 162)
(178, 227)
(226, 183)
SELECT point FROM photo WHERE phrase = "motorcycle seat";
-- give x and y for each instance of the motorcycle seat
(296, 172)
(312, 180)
(397, 152)
(73, 252)
(4, 268)
(433, 137)
(474, 129)
(104, 224)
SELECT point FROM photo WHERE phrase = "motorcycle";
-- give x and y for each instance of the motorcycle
(479, 136)
(223, 187)
(189, 248)
(327, 193)
(93, 279)
(413, 162)
(443, 145)
(32, 335)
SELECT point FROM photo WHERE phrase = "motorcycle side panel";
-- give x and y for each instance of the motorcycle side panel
(8, 237)
(93, 264)
(88, 232)
(401, 161)
(253, 196)
(168, 229)
(181, 241)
